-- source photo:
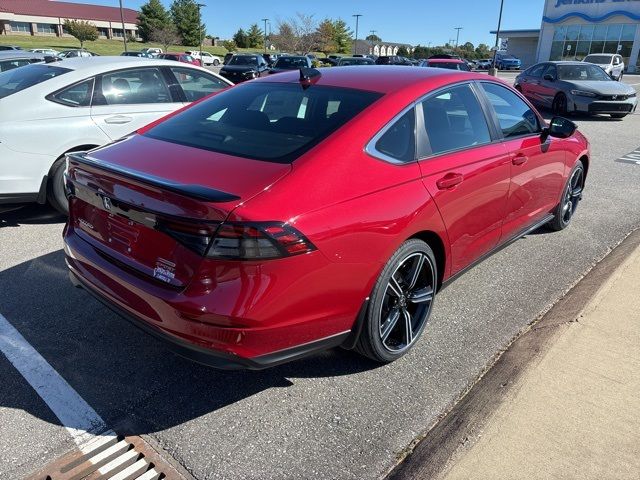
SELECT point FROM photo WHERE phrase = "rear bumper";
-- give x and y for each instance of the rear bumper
(221, 327)
(213, 358)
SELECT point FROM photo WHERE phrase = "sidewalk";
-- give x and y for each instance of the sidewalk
(575, 412)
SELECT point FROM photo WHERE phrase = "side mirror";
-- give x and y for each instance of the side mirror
(549, 77)
(559, 128)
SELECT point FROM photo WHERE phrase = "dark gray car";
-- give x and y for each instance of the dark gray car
(576, 87)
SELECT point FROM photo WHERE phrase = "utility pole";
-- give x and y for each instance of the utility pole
(355, 42)
(124, 32)
(458, 35)
(200, 5)
(373, 32)
(265, 20)
(493, 71)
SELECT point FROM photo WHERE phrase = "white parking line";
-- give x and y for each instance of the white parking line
(80, 420)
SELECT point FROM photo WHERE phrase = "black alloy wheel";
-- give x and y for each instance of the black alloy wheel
(401, 303)
(571, 196)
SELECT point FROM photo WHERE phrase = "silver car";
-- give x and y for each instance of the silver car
(576, 87)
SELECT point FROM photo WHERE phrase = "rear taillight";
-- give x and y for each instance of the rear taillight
(239, 241)
(251, 241)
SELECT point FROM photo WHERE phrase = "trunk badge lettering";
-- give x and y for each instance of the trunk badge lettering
(106, 202)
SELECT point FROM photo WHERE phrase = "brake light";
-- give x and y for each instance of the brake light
(195, 236)
(249, 241)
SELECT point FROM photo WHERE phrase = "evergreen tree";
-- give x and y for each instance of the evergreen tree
(373, 38)
(255, 37)
(402, 51)
(152, 16)
(185, 16)
(325, 35)
(241, 39)
(342, 36)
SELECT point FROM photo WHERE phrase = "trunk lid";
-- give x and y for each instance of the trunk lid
(153, 206)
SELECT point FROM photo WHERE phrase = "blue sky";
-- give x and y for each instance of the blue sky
(407, 21)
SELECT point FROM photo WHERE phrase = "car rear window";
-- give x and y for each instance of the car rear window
(265, 121)
(13, 81)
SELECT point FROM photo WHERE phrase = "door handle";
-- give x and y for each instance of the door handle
(450, 180)
(118, 119)
(520, 160)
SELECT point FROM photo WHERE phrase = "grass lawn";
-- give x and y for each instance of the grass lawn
(101, 47)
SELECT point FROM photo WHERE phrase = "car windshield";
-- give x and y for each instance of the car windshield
(243, 60)
(291, 62)
(13, 81)
(264, 121)
(582, 72)
(599, 59)
(355, 61)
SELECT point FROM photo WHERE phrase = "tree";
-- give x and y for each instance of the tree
(82, 30)
(325, 35)
(285, 38)
(165, 36)
(305, 28)
(342, 36)
(240, 38)
(402, 51)
(152, 16)
(468, 47)
(483, 51)
(373, 38)
(255, 37)
(186, 18)
(229, 45)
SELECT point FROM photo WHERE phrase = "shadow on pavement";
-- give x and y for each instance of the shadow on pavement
(133, 381)
(33, 214)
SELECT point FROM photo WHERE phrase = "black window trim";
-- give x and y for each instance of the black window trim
(52, 96)
(494, 117)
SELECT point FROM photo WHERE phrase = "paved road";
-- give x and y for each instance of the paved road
(335, 415)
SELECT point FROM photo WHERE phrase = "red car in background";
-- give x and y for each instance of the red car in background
(308, 210)
(448, 63)
(180, 57)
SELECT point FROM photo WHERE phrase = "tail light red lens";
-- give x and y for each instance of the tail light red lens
(258, 241)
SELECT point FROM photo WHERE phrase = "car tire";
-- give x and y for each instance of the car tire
(571, 196)
(400, 304)
(618, 115)
(559, 105)
(55, 188)
(216, 63)
(620, 76)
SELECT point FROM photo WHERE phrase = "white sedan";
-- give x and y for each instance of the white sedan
(207, 58)
(50, 109)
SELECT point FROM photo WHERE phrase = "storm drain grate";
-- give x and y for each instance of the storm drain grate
(110, 457)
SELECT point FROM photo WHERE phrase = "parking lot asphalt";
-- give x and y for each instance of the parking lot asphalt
(334, 415)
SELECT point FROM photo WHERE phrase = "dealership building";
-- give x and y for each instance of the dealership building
(572, 29)
(46, 18)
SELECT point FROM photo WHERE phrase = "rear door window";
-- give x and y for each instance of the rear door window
(133, 86)
(453, 120)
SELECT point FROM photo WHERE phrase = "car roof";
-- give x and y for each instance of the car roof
(94, 65)
(565, 62)
(381, 78)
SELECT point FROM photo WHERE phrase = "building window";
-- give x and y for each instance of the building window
(574, 42)
(117, 32)
(103, 32)
(47, 28)
(20, 27)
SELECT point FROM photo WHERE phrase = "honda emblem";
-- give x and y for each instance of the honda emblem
(106, 201)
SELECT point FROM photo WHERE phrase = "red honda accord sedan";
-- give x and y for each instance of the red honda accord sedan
(311, 209)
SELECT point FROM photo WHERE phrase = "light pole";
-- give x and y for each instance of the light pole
(355, 42)
(200, 5)
(493, 71)
(457, 35)
(124, 32)
(265, 20)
